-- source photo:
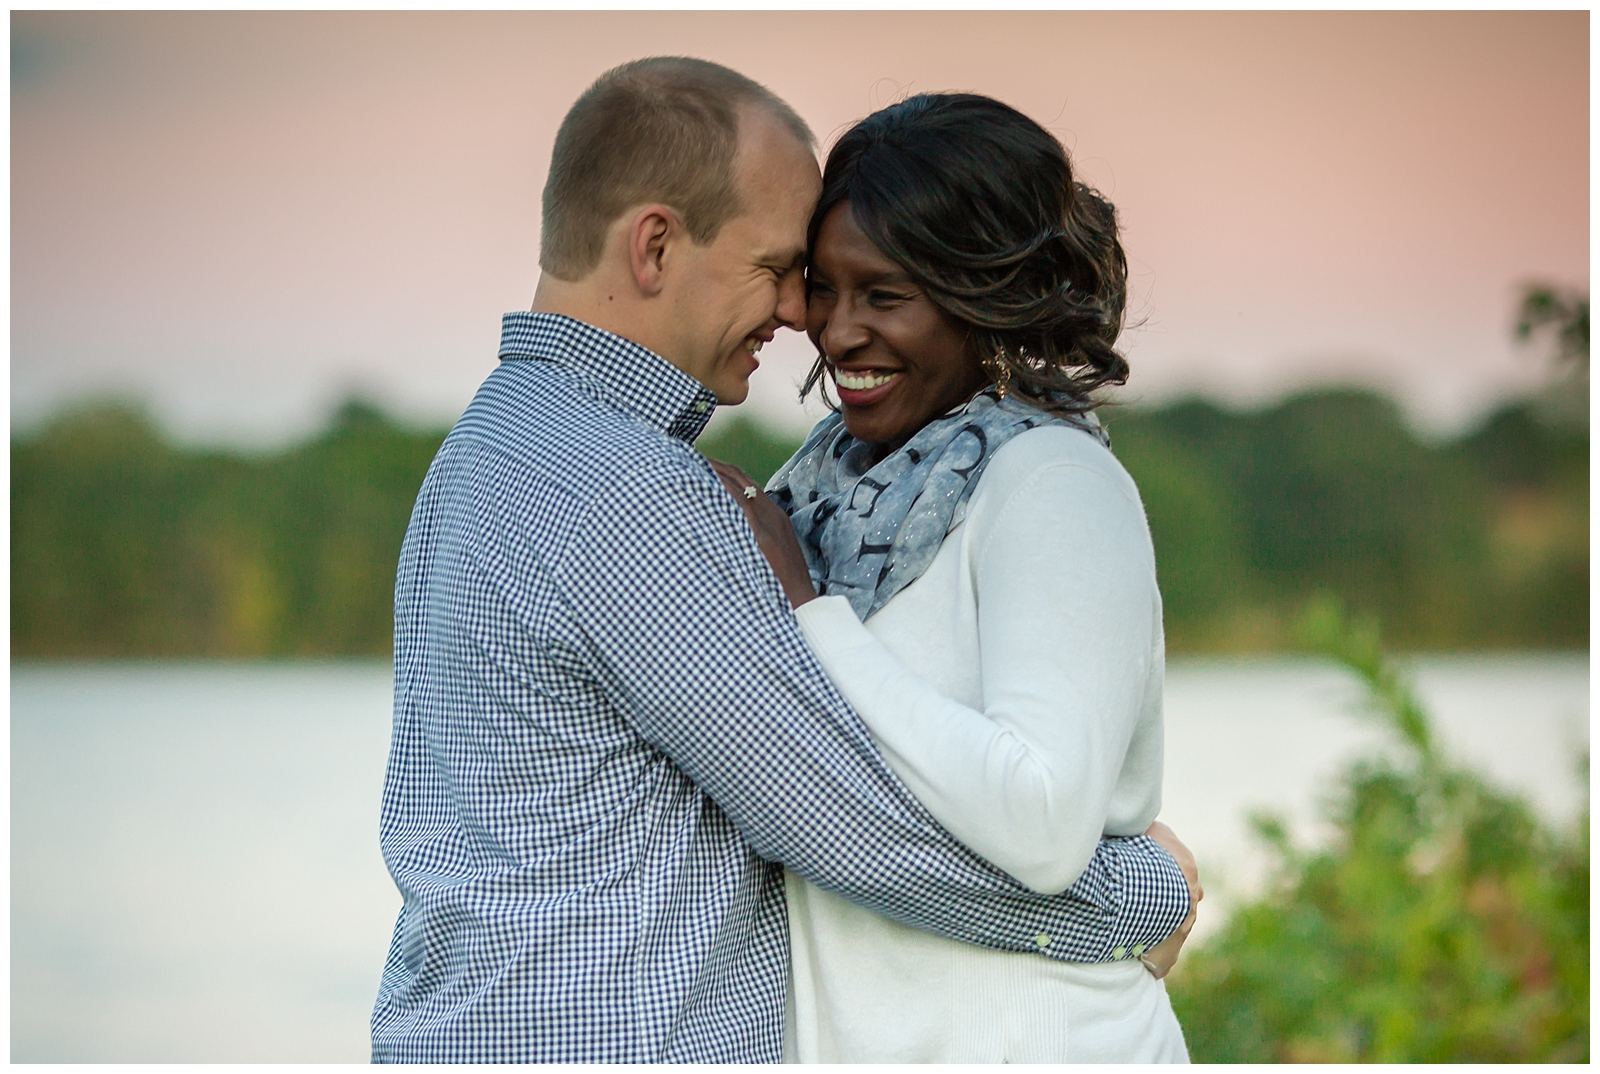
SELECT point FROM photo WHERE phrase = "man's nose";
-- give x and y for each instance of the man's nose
(791, 310)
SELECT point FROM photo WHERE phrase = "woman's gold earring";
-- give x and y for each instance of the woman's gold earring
(998, 372)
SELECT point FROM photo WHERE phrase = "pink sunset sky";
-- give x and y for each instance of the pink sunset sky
(242, 218)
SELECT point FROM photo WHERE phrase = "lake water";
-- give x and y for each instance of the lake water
(194, 865)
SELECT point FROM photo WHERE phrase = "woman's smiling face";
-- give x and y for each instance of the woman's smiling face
(897, 360)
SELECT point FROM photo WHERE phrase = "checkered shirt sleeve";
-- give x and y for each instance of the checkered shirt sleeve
(608, 728)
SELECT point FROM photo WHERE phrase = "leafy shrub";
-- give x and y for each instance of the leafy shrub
(1446, 923)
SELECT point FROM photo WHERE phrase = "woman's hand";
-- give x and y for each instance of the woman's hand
(1160, 959)
(774, 534)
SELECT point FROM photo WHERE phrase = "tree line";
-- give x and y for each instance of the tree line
(123, 544)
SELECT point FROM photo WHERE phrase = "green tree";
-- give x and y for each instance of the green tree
(123, 545)
(1558, 312)
(1252, 513)
(757, 451)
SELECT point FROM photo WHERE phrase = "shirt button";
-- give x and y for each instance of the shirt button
(1119, 952)
(1043, 940)
(1139, 949)
(700, 406)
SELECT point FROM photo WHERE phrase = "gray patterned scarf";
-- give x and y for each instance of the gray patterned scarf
(868, 532)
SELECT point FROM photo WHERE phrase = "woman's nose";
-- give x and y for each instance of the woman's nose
(844, 331)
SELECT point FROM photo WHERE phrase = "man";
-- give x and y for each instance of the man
(607, 726)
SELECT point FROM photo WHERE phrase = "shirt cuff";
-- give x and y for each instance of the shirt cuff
(1154, 897)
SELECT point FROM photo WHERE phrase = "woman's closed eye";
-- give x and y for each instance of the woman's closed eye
(881, 298)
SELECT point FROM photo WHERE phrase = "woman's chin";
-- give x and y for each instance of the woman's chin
(867, 427)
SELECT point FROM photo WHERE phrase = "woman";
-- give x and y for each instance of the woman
(988, 596)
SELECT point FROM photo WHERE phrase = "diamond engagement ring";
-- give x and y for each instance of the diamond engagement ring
(751, 492)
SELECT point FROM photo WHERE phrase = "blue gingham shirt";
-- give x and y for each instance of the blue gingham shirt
(608, 732)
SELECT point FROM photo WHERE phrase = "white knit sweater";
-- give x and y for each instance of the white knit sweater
(1016, 688)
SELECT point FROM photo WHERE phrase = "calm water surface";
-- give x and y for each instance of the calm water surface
(194, 864)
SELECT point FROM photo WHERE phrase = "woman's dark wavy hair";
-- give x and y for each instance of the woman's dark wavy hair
(978, 204)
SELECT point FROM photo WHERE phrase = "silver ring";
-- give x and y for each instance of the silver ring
(751, 492)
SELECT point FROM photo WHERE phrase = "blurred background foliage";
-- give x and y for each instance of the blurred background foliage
(123, 544)
(1483, 542)
(1445, 923)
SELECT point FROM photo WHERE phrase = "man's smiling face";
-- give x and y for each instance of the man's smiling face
(748, 282)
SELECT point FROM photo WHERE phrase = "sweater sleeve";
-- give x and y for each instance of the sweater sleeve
(1067, 621)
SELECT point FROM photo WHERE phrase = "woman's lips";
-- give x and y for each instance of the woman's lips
(871, 385)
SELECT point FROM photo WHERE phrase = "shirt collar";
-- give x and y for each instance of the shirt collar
(630, 377)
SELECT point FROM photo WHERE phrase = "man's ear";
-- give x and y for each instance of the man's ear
(655, 230)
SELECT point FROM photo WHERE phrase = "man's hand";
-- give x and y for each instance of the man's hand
(774, 534)
(1160, 958)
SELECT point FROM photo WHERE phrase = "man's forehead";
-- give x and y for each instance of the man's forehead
(769, 151)
(785, 194)
(778, 212)
(779, 183)
(758, 124)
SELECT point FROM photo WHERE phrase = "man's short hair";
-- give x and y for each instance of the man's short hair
(663, 129)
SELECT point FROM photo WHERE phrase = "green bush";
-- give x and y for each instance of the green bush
(1446, 923)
